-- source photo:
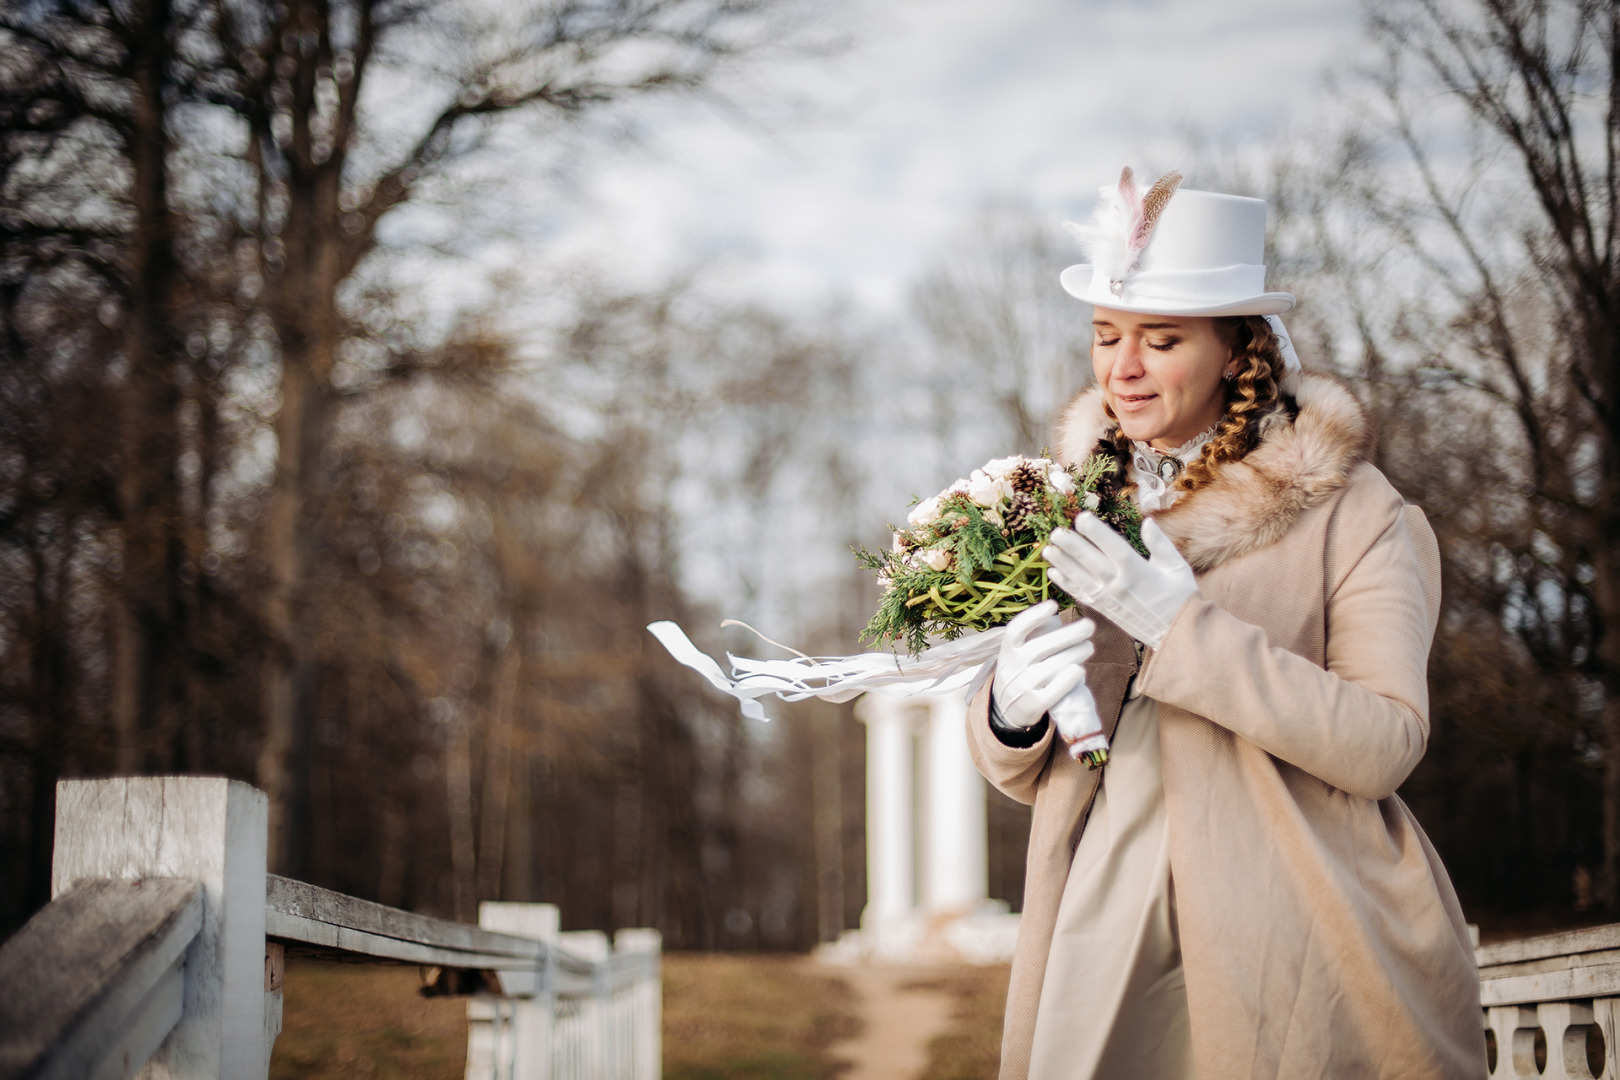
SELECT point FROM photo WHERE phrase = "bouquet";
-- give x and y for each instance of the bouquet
(969, 559)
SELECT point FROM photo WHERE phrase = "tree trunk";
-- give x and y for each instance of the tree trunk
(518, 874)
(287, 655)
(148, 665)
(827, 816)
(1608, 594)
(1608, 886)
(500, 748)
(124, 688)
(459, 809)
(303, 280)
(51, 668)
(393, 858)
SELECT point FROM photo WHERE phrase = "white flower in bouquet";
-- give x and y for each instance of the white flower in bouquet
(1092, 501)
(937, 560)
(925, 512)
(998, 468)
(1059, 478)
(986, 490)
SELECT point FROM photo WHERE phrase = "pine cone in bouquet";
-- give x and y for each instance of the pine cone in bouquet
(969, 557)
(1025, 478)
(1022, 510)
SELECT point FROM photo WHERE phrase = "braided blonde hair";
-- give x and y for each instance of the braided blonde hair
(1251, 395)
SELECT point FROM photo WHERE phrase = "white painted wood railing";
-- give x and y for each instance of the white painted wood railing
(162, 953)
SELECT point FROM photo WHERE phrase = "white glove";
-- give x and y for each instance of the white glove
(1099, 568)
(1041, 661)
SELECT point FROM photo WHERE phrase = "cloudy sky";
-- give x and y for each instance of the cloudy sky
(935, 106)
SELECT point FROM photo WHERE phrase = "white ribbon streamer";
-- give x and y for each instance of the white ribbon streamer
(961, 666)
(1285, 343)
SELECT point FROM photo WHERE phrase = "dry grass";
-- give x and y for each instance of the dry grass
(760, 1017)
(725, 1016)
(971, 1049)
(346, 1020)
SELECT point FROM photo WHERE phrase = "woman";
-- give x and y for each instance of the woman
(1238, 892)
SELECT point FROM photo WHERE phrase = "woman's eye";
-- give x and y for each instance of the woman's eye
(1106, 342)
(1164, 346)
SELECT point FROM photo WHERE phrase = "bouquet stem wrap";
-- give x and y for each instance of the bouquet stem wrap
(960, 666)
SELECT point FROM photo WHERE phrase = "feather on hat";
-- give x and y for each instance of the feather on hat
(1123, 224)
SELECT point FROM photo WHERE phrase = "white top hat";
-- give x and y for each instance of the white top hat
(1172, 252)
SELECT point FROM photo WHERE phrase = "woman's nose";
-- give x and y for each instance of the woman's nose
(1128, 361)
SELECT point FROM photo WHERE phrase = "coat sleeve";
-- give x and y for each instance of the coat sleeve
(1361, 721)
(1015, 772)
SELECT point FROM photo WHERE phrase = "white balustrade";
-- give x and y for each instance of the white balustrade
(1551, 1005)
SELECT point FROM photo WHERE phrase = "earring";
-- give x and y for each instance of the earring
(1229, 375)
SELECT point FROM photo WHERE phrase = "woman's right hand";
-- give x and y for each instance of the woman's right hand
(1040, 661)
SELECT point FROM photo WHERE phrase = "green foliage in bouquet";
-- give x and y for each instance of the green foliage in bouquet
(970, 557)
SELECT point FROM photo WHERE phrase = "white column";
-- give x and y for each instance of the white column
(955, 855)
(204, 829)
(890, 888)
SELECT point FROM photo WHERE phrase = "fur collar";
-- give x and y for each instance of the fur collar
(1253, 502)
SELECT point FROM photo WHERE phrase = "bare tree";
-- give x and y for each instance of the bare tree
(433, 682)
(1008, 336)
(1522, 239)
(103, 318)
(724, 431)
(102, 88)
(1457, 244)
(326, 172)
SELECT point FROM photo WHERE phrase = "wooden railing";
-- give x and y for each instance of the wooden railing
(165, 942)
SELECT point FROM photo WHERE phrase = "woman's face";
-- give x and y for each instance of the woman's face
(1161, 374)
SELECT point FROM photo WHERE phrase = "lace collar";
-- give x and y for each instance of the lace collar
(1155, 471)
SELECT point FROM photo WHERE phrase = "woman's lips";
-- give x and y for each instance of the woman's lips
(1133, 402)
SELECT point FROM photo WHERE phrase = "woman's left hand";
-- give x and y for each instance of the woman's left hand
(1099, 568)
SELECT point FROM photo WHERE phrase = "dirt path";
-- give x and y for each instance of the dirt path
(897, 1023)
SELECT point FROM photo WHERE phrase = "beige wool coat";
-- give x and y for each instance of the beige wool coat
(1319, 931)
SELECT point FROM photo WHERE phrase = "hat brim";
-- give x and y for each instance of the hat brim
(1076, 281)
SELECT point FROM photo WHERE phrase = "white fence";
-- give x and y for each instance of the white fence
(162, 952)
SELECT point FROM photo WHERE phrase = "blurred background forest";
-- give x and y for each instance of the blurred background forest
(283, 497)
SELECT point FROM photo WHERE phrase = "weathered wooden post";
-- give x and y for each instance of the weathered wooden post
(511, 1036)
(212, 831)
